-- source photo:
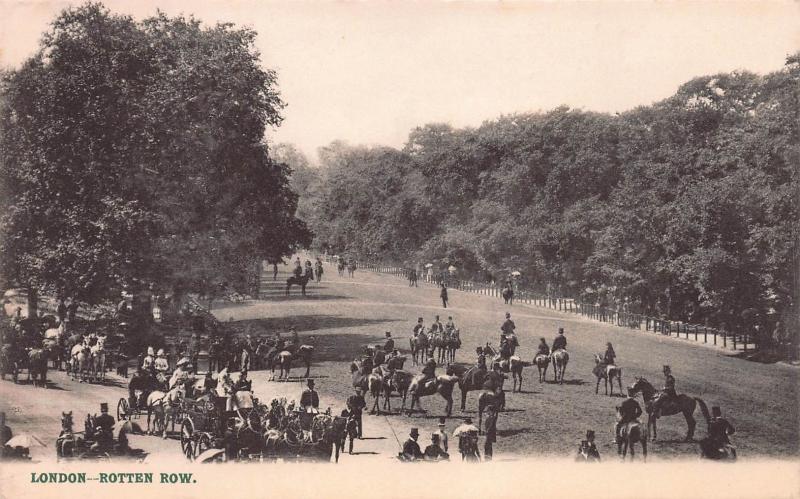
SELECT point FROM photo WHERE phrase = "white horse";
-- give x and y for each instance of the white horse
(163, 407)
(81, 356)
(99, 358)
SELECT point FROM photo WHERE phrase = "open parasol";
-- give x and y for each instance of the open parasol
(26, 441)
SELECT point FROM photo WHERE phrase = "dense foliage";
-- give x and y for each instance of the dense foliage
(687, 208)
(132, 154)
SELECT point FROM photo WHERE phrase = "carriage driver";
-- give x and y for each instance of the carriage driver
(148, 363)
(161, 363)
(389, 345)
(181, 373)
(630, 410)
(140, 381)
(105, 423)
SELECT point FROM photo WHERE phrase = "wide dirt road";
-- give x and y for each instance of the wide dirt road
(341, 315)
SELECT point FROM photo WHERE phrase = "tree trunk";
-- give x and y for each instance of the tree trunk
(33, 302)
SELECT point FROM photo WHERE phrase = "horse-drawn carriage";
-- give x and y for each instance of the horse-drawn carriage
(93, 443)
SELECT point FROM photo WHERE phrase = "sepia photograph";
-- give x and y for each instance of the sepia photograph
(399, 249)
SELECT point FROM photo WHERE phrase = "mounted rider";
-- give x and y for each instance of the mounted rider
(450, 327)
(560, 341)
(388, 346)
(161, 365)
(394, 362)
(609, 357)
(298, 268)
(669, 383)
(378, 356)
(543, 349)
(630, 410)
(481, 362)
(508, 326)
(429, 371)
(437, 325)
(418, 327)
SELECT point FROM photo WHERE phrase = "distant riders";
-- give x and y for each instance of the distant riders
(630, 410)
(560, 342)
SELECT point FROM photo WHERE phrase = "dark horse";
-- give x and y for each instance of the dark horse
(657, 405)
(630, 434)
(301, 281)
(37, 366)
(508, 295)
(469, 379)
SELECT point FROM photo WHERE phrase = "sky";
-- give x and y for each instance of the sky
(369, 72)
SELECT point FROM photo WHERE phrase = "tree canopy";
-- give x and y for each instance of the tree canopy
(687, 208)
(133, 152)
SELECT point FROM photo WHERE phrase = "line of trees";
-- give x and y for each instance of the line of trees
(687, 208)
(132, 155)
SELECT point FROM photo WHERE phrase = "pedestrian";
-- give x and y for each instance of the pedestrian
(411, 450)
(443, 295)
(356, 405)
(434, 451)
(442, 432)
(491, 432)
(351, 429)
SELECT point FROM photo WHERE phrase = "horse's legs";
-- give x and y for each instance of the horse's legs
(308, 368)
(597, 387)
(619, 382)
(651, 422)
(692, 423)
(643, 440)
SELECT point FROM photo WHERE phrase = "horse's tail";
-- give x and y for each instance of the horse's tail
(703, 408)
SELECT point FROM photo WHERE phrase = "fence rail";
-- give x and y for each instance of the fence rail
(642, 322)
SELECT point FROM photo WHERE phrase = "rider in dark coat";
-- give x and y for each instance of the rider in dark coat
(669, 382)
(418, 327)
(140, 381)
(105, 422)
(609, 356)
(394, 363)
(481, 363)
(543, 348)
(560, 342)
(508, 326)
(630, 410)
(429, 370)
(389, 345)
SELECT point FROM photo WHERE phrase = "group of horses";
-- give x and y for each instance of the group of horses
(348, 265)
(267, 353)
(441, 344)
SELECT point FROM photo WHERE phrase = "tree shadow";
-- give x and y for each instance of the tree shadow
(576, 381)
(516, 431)
(305, 323)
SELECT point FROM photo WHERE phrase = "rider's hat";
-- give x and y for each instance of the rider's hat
(184, 361)
(508, 315)
(388, 334)
(103, 407)
(395, 352)
(561, 330)
(589, 434)
(631, 391)
(414, 432)
(161, 352)
(666, 367)
(310, 382)
(715, 411)
(441, 421)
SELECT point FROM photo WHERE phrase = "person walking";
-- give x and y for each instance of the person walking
(356, 405)
(443, 295)
(491, 432)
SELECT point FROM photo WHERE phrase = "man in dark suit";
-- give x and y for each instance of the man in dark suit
(411, 450)
(356, 404)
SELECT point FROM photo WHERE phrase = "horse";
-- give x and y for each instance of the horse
(469, 379)
(301, 281)
(443, 385)
(163, 406)
(53, 338)
(99, 358)
(508, 295)
(303, 353)
(513, 365)
(656, 406)
(419, 348)
(606, 372)
(630, 434)
(351, 269)
(399, 382)
(66, 441)
(81, 356)
(369, 383)
(340, 267)
(9, 361)
(560, 359)
(542, 362)
(37, 366)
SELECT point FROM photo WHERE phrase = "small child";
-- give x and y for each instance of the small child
(588, 450)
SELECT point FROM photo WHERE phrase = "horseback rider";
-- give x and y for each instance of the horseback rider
(437, 325)
(669, 383)
(505, 347)
(418, 327)
(243, 384)
(543, 348)
(389, 345)
(494, 380)
(309, 399)
(309, 270)
(508, 326)
(450, 326)
(630, 410)
(379, 356)
(366, 363)
(560, 342)
(609, 356)
(180, 375)
(429, 371)
(481, 362)
(718, 430)
(394, 362)
(298, 268)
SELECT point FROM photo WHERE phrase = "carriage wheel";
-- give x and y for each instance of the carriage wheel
(204, 443)
(187, 439)
(123, 410)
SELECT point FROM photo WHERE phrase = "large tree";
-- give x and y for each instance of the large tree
(134, 152)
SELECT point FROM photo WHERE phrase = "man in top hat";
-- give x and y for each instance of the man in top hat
(356, 404)
(441, 431)
(560, 342)
(669, 382)
(411, 450)
(718, 431)
(434, 451)
(309, 399)
(429, 371)
(389, 345)
(630, 410)
(105, 423)
(394, 362)
(491, 432)
(587, 451)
